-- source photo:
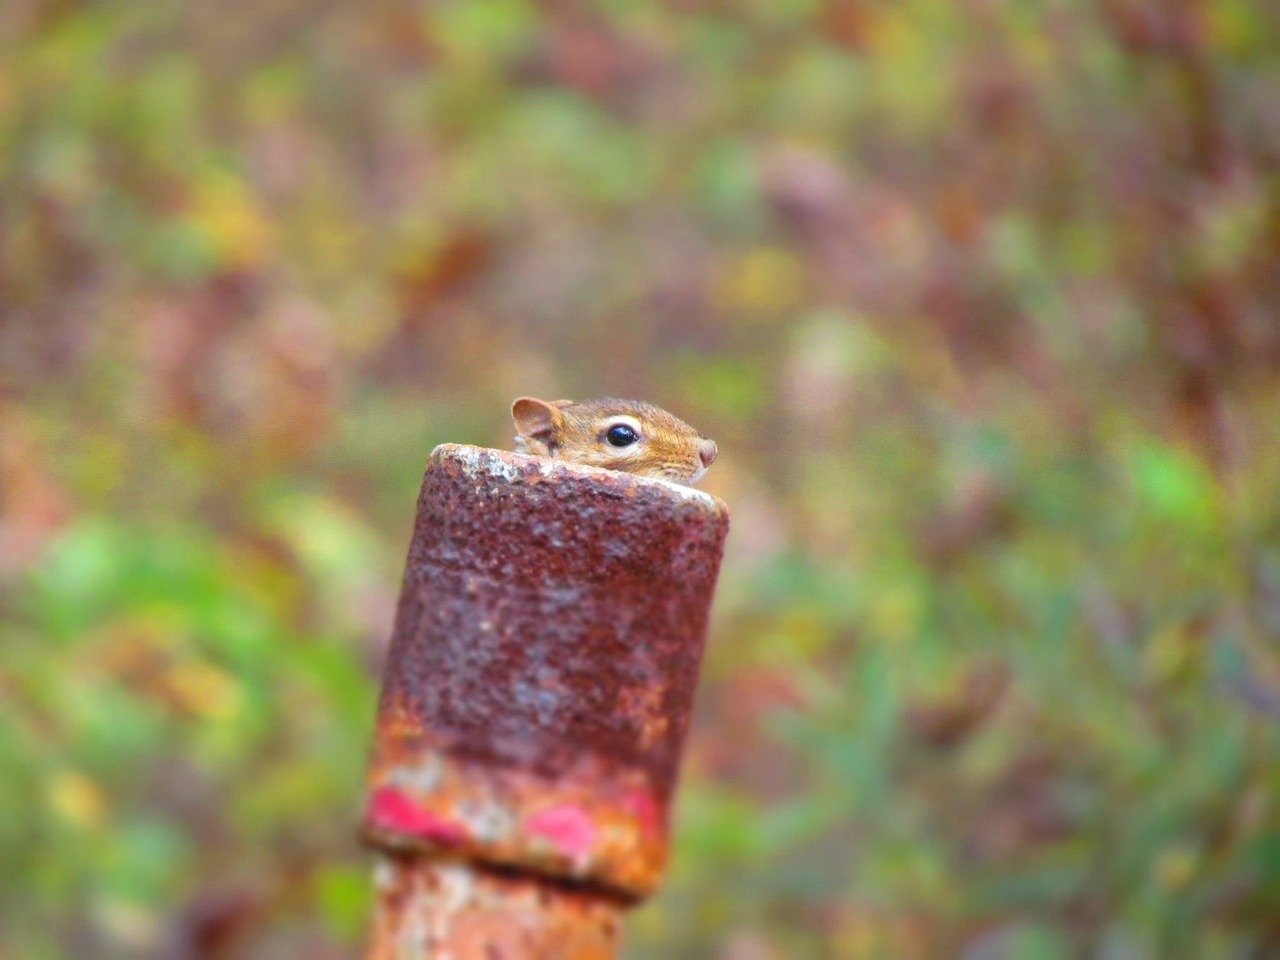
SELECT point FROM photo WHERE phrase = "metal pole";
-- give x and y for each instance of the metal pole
(537, 692)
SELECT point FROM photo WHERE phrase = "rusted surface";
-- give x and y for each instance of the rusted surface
(541, 676)
(440, 908)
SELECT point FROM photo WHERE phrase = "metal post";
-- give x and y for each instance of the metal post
(536, 697)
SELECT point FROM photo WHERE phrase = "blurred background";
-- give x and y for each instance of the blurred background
(980, 299)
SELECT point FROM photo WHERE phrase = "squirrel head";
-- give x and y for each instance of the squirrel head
(627, 435)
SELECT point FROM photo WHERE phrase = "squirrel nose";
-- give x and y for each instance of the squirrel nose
(707, 452)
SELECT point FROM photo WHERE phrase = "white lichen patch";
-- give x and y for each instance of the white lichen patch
(487, 821)
(422, 778)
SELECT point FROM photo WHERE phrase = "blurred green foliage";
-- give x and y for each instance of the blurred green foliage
(981, 301)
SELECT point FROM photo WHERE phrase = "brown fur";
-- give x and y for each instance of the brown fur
(669, 448)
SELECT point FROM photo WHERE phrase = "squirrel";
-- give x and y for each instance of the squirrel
(626, 435)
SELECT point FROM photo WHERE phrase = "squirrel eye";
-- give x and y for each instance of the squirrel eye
(620, 435)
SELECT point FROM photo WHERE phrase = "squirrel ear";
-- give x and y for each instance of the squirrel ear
(536, 418)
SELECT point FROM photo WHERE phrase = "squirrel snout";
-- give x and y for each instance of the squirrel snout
(707, 452)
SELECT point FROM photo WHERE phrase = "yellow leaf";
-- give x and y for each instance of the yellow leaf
(77, 799)
(1175, 868)
(225, 210)
(205, 690)
(765, 278)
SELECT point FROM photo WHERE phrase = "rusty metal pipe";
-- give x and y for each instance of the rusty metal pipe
(438, 908)
(536, 696)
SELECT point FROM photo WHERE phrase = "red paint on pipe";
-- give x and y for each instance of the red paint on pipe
(391, 811)
(570, 828)
(646, 811)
